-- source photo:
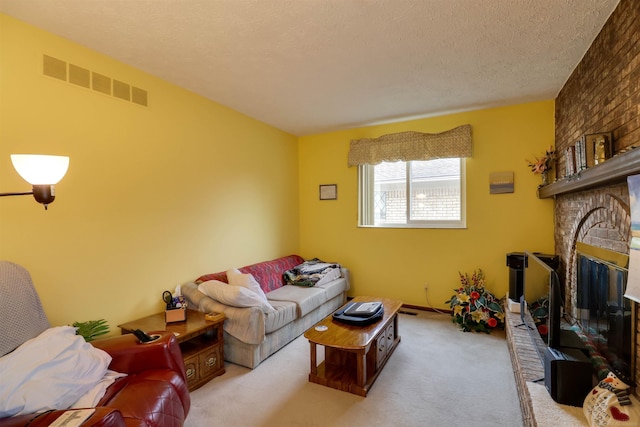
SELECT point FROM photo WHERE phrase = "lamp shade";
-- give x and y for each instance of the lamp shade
(39, 169)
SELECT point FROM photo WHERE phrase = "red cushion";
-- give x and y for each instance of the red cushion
(267, 273)
(221, 276)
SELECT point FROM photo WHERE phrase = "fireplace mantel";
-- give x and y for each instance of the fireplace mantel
(612, 171)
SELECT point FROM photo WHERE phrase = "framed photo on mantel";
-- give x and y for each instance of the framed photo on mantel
(599, 148)
(328, 191)
(590, 150)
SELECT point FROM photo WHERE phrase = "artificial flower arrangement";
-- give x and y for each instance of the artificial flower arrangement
(543, 164)
(473, 307)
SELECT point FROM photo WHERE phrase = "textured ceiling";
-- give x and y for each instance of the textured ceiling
(312, 66)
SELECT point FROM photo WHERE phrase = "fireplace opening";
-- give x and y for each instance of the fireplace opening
(603, 318)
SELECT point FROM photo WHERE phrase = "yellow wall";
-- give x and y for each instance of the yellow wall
(399, 263)
(154, 196)
(157, 196)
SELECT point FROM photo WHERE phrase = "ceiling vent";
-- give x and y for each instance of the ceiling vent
(101, 83)
(121, 90)
(58, 69)
(79, 76)
(55, 68)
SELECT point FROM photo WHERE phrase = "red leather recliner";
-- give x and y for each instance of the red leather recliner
(154, 392)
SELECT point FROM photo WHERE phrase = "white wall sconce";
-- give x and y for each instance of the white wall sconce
(42, 172)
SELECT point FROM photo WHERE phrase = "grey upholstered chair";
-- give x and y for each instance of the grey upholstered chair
(21, 313)
(153, 393)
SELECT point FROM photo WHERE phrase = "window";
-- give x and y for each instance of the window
(436, 190)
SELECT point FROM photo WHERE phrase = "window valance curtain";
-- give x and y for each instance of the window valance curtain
(407, 146)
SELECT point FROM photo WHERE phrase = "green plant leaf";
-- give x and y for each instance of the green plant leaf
(482, 301)
(494, 306)
(91, 329)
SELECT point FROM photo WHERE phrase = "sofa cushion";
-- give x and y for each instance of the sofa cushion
(236, 296)
(284, 313)
(334, 287)
(306, 299)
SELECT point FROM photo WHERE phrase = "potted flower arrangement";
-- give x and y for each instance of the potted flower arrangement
(473, 307)
(543, 165)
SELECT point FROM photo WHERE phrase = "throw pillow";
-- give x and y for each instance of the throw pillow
(237, 278)
(235, 296)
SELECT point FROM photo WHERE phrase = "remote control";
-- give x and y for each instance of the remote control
(142, 335)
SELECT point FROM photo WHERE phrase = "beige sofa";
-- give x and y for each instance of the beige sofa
(250, 334)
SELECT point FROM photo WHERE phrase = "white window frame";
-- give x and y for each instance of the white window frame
(366, 201)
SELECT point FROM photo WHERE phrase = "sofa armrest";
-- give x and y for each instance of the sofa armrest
(244, 323)
(346, 275)
(102, 417)
(131, 356)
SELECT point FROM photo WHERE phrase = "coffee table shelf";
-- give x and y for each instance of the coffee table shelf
(354, 355)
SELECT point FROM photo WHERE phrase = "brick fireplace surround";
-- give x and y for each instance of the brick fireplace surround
(601, 95)
(599, 217)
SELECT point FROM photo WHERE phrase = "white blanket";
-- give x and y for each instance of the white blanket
(50, 371)
(244, 323)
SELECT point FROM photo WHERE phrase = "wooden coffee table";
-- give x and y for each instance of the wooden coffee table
(354, 355)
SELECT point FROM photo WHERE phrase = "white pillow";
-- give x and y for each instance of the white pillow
(237, 278)
(235, 296)
(50, 371)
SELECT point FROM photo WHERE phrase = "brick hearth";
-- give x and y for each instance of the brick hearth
(526, 363)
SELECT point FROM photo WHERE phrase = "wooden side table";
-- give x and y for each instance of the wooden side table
(201, 342)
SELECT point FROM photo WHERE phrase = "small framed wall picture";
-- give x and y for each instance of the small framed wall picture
(328, 191)
(501, 182)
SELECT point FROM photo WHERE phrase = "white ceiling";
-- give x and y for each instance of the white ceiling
(312, 66)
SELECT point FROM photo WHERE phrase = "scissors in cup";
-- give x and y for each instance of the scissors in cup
(167, 297)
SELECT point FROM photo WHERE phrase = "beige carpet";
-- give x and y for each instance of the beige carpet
(437, 376)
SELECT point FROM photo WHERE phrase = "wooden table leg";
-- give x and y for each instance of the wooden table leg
(395, 326)
(314, 364)
(361, 368)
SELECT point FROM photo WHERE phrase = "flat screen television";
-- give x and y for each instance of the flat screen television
(541, 282)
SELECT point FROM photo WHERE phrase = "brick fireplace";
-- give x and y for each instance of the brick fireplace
(602, 95)
(598, 217)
